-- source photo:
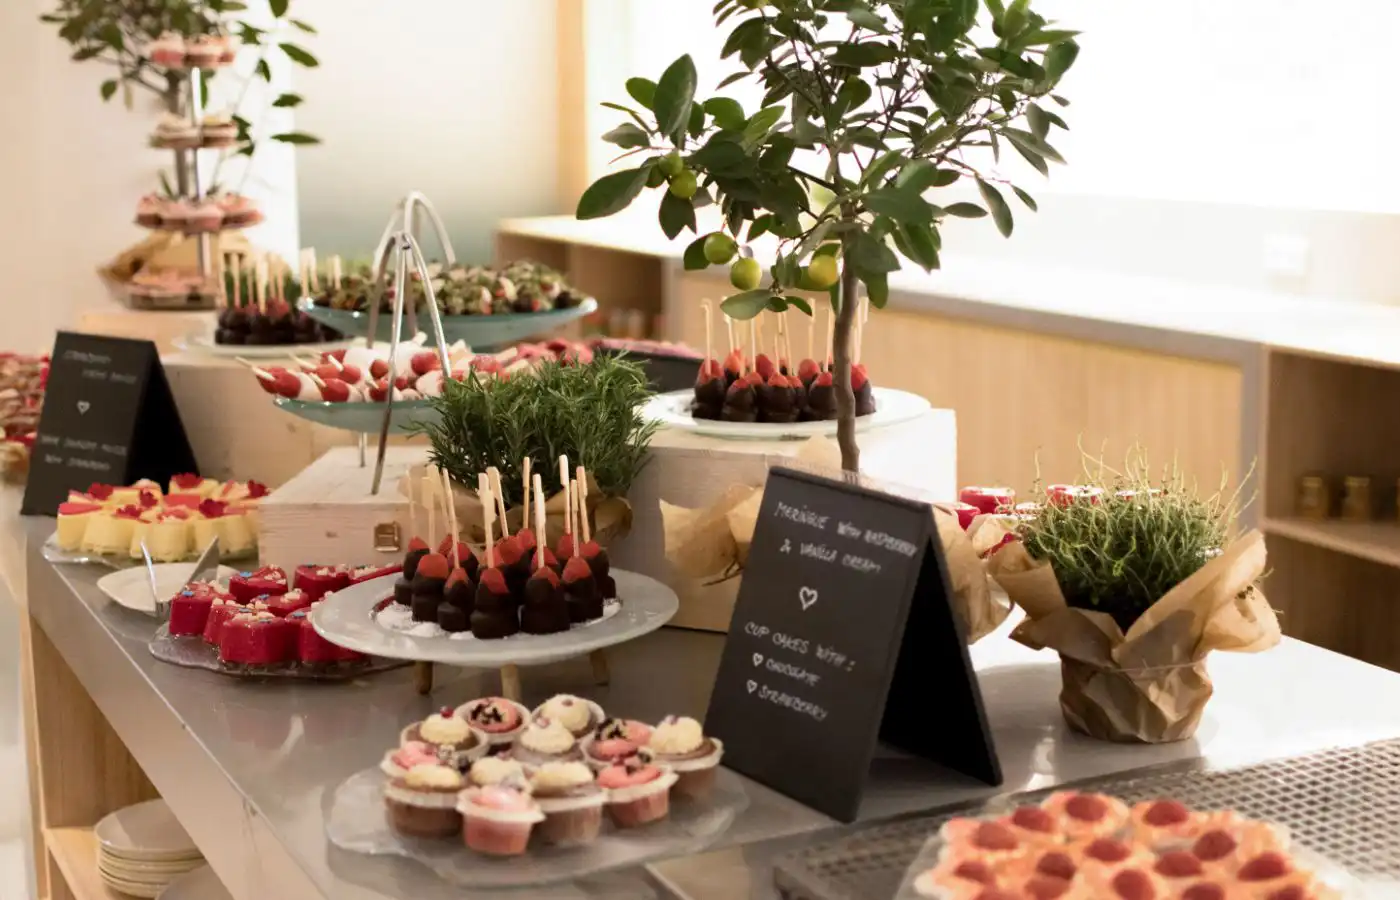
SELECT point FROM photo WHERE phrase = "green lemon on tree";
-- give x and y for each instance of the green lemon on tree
(684, 184)
(670, 164)
(746, 274)
(719, 248)
(821, 273)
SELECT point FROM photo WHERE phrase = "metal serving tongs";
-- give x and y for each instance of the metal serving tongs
(403, 244)
(205, 566)
(404, 218)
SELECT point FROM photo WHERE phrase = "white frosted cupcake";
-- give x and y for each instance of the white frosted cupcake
(491, 770)
(423, 803)
(571, 801)
(680, 743)
(546, 740)
(578, 715)
(456, 743)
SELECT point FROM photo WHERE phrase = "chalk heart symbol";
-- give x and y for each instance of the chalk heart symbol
(758, 659)
(752, 685)
(807, 596)
(83, 407)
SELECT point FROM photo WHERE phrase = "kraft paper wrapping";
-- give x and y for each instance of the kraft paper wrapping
(713, 543)
(1149, 685)
(610, 518)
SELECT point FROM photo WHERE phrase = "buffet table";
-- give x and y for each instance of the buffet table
(249, 767)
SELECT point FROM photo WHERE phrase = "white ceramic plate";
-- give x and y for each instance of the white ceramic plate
(203, 343)
(145, 891)
(132, 588)
(146, 871)
(146, 831)
(673, 411)
(201, 884)
(347, 618)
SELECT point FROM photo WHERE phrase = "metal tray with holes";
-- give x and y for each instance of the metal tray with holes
(1343, 804)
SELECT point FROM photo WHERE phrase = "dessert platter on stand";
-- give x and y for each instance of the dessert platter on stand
(754, 396)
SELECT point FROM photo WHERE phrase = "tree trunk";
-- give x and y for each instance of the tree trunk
(845, 397)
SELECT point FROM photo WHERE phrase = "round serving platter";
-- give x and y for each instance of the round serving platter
(204, 344)
(347, 618)
(132, 587)
(357, 822)
(479, 332)
(365, 418)
(673, 411)
(192, 652)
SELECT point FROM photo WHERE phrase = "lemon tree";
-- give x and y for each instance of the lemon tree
(880, 120)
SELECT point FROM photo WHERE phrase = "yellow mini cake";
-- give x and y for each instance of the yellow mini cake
(110, 532)
(73, 519)
(143, 527)
(193, 484)
(170, 538)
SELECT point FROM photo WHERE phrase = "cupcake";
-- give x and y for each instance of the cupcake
(614, 740)
(498, 719)
(572, 803)
(400, 760)
(546, 740)
(578, 715)
(498, 819)
(639, 791)
(490, 770)
(456, 742)
(423, 802)
(679, 742)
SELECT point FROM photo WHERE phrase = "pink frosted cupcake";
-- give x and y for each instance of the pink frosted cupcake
(639, 791)
(680, 743)
(614, 741)
(572, 803)
(398, 761)
(499, 720)
(423, 803)
(498, 820)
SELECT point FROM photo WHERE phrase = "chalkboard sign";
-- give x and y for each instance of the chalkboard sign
(843, 635)
(108, 417)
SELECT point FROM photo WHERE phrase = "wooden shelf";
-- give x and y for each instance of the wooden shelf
(1378, 542)
(74, 852)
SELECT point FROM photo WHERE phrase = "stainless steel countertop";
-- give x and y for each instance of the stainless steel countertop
(249, 767)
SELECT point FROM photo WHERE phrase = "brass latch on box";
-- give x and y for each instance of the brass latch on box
(387, 537)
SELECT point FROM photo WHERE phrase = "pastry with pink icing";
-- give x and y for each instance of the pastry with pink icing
(572, 803)
(167, 50)
(423, 801)
(500, 720)
(680, 742)
(398, 761)
(578, 715)
(498, 819)
(546, 740)
(639, 791)
(455, 741)
(615, 740)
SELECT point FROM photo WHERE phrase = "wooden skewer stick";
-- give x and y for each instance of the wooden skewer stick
(237, 279)
(568, 501)
(525, 483)
(830, 337)
(335, 361)
(811, 334)
(335, 271)
(583, 505)
(430, 501)
(451, 517)
(260, 281)
(729, 325)
(495, 475)
(709, 329)
(262, 373)
(412, 517)
(301, 271)
(753, 343)
(315, 379)
(488, 514)
(312, 267)
(539, 522)
(221, 298)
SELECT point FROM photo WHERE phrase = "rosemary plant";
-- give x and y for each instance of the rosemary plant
(588, 412)
(1122, 552)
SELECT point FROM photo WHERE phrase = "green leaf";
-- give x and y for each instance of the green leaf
(88, 53)
(1035, 159)
(1038, 37)
(299, 55)
(863, 56)
(262, 70)
(612, 193)
(694, 258)
(304, 26)
(1035, 117)
(852, 95)
(675, 92)
(867, 19)
(870, 256)
(919, 244)
(1001, 213)
(1059, 58)
(877, 287)
(762, 122)
(643, 90)
(902, 205)
(746, 305)
(727, 113)
(278, 7)
(875, 172)
(920, 175)
(719, 155)
(696, 125)
(111, 35)
(628, 136)
(800, 303)
(286, 101)
(641, 123)
(1026, 199)
(1027, 141)
(109, 87)
(296, 137)
(965, 211)
(731, 79)
(760, 226)
(675, 215)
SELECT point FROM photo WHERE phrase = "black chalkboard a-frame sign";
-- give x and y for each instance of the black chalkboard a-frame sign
(843, 635)
(109, 417)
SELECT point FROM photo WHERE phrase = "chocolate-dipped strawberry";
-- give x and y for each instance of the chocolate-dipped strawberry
(864, 391)
(462, 551)
(581, 591)
(459, 591)
(765, 366)
(417, 549)
(740, 402)
(546, 609)
(808, 370)
(733, 368)
(551, 562)
(710, 388)
(777, 401)
(495, 615)
(589, 550)
(821, 398)
(428, 584)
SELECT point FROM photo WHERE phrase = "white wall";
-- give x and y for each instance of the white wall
(452, 98)
(71, 171)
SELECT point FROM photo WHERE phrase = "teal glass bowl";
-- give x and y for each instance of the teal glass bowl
(478, 332)
(365, 418)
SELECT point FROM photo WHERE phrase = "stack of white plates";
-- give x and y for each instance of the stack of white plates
(142, 849)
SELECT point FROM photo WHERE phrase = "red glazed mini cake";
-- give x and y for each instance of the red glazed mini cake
(578, 715)
(498, 820)
(456, 742)
(572, 803)
(314, 650)
(423, 802)
(680, 743)
(257, 639)
(249, 586)
(189, 609)
(220, 611)
(639, 791)
(499, 719)
(318, 581)
(288, 603)
(614, 740)
(545, 740)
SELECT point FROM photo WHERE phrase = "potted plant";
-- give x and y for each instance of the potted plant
(868, 108)
(1134, 583)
